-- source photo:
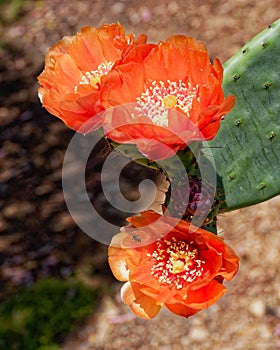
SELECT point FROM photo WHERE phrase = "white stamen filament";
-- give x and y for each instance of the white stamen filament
(155, 102)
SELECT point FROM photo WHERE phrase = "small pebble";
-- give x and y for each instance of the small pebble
(257, 308)
(118, 8)
(198, 334)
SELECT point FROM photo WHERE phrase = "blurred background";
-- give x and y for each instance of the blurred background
(57, 291)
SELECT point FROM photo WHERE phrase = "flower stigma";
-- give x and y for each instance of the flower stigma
(176, 262)
(169, 101)
(155, 102)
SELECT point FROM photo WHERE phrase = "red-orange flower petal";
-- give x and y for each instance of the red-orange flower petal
(74, 67)
(181, 310)
(139, 303)
(174, 89)
(183, 269)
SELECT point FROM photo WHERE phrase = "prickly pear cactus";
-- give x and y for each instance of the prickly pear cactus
(246, 149)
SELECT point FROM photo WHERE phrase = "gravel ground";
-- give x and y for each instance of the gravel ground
(34, 222)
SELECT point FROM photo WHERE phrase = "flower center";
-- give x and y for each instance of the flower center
(169, 101)
(155, 102)
(176, 262)
(93, 77)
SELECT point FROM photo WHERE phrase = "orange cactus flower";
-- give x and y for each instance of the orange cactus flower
(183, 269)
(74, 67)
(175, 97)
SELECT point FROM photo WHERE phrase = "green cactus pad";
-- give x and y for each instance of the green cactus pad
(246, 149)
